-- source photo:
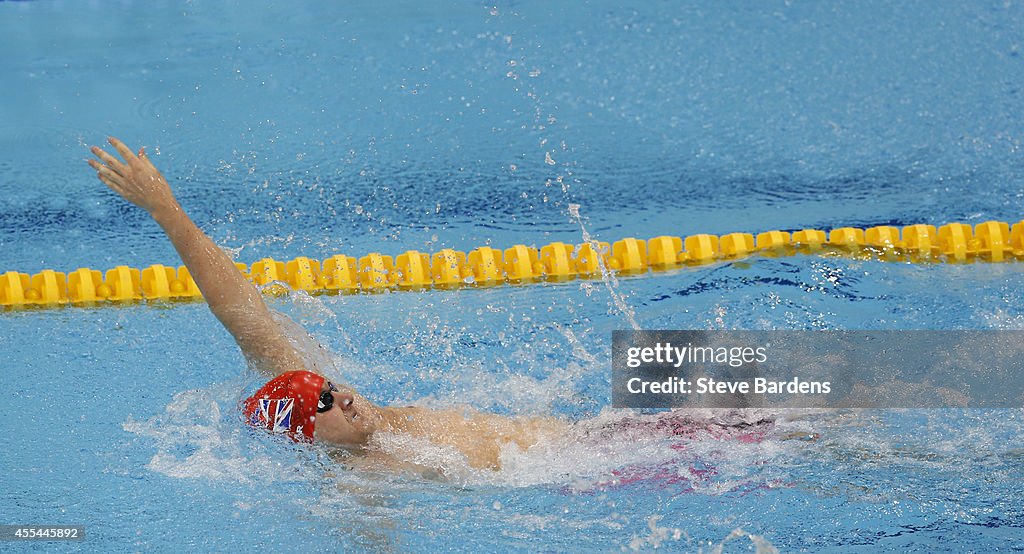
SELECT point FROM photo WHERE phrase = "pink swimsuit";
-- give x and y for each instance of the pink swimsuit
(681, 474)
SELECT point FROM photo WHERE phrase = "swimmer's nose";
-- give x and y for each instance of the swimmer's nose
(344, 400)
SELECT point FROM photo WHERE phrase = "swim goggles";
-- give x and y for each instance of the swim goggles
(326, 400)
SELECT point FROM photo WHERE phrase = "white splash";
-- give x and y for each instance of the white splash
(760, 544)
(194, 441)
(607, 276)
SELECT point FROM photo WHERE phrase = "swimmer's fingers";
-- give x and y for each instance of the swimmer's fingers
(112, 162)
(109, 178)
(125, 152)
(144, 158)
(142, 163)
(116, 187)
(105, 174)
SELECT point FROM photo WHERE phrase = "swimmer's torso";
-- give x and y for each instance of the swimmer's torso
(480, 437)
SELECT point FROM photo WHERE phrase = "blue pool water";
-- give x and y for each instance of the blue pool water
(308, 129)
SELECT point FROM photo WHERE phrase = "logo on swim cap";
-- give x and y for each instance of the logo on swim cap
(286, 404)
(277, 411)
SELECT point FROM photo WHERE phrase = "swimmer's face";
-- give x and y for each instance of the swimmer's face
(349, 421)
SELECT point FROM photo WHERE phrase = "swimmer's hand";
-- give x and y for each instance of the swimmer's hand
(135, 179)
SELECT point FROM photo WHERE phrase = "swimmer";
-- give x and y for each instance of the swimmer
(297, 402)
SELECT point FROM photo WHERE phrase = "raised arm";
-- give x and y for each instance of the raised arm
(233, 299)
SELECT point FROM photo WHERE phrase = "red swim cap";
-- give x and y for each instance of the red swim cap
(286, 404)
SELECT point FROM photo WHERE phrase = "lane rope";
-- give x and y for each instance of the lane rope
(991, 241)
